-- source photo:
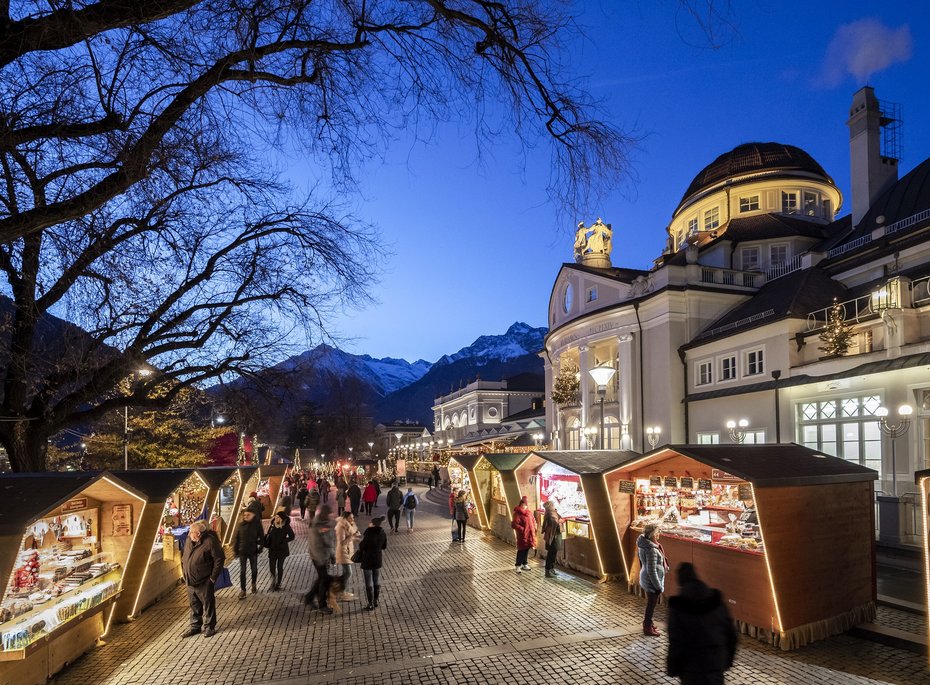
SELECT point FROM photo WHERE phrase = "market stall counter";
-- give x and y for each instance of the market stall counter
(574, 482)
(154, 566)
(500, 482)
(785, 532)
(64, 542)
(462, 476)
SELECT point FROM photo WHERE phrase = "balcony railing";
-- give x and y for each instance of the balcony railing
(851, 245)
(920, 291)
(853, 311)
(745, 279)
(779, 270)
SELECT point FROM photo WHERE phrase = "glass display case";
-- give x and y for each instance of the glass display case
(563, 487)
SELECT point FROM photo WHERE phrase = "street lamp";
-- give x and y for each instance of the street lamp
(602, 376)
(737, 430)
(893, 430)
(652, 435)
(370, 445)
(589, 432)
(537, 439)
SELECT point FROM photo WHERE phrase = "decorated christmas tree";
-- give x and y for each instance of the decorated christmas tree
(566, 385)
(837, 336)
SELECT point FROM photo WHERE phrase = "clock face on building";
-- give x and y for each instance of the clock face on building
(569, 297)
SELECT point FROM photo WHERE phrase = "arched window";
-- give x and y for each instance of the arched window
(574, 434)
(611, 433)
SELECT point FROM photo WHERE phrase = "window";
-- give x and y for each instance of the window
(692, 225)
(492, 412)
(778, 255)
(728, 368)
(592, 294)
(789, 203)
(754, 437)
(749, 204)
(611, 433)
(810, 204)
(827, 210)
(705, 373)
(845, 428)
(574, 434)
(708, 438)
(750, 258)
(567, 297)
(755, 363)
(711, 219)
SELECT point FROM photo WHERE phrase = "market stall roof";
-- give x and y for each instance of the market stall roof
(27, 497)
(273, 470)
(247, 471)
(156, 484)
(587, 462)
(469, 461)
(505, 461)
(768, 465)
(215, 476)
(920, 475)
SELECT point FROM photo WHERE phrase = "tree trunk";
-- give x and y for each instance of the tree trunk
(26, 446)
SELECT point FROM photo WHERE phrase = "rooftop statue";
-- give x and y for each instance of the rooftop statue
(593, 243)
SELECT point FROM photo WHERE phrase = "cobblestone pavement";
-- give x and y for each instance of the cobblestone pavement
(449, 614)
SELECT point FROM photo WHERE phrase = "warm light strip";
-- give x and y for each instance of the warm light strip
(629, 465)
(768, 568)
(135, 604)
(122, 576)
(277, 498)
(925, 508)
(128, 492)
(597, 547)
(479, 498)
(613, 518)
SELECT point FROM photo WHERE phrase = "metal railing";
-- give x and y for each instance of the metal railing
(851, 245)
(852, 310)
(907, 222)
(779, 270)
(912, 520)
(719, 276)
(737, 324)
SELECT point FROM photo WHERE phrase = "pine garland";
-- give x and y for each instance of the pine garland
(837, 336)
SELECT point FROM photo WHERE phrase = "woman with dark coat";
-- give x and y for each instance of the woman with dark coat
(552, 535)
(524, 525)
(653, 568)
(355, 497)
(279, 535)
(374, 542)
(701, 634)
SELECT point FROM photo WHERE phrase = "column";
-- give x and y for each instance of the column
(625, 389)
(552, 412)
(584, 364)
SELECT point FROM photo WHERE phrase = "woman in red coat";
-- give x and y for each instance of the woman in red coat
(369, 497)
(524, 525)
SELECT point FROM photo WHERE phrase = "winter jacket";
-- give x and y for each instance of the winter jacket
(701, 634)
(395, 498)
(461, 508)
(345, 537)
(552, 529)
(322, 541)
(277, 539)
(341, 497)
(302, 494)
(203, 560)
(452, 504)
(410, 500)
(256, 507)
(370, 494)
(313, 500)
(249, 538)
(355, 494)
(653, 565)
(525, 526)
(374, 541)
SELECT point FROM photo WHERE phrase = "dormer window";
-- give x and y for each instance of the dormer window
(711, 219)
(810, 204)
(692, 225)
(750, 257)
(778, 255)
(749, 204)
(789, 203)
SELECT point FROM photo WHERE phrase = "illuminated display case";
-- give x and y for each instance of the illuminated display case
(64, 545)
(765, 524)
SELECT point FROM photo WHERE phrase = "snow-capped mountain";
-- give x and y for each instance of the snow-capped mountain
(520, 339)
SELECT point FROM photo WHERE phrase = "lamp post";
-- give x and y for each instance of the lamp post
(737, 430)
(652, 435)
(370, 446)
(602, 376)
(537, 439)
(589, 432)
(893, 430)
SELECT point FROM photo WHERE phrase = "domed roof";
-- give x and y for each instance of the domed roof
(748, 158)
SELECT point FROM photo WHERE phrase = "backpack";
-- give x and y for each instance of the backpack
(410, 502)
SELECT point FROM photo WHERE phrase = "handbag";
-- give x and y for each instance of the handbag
(222, 580)
(356, 556)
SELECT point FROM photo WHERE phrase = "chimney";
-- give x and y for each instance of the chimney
(871, 173)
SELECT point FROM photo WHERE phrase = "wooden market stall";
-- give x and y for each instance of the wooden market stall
(785, 532)
(462, 476)
(154, 567)
(922, 478)
(269, 486)
(223, 512)
(502, 490)
(574, 481)
(64, 542)
(248, 479)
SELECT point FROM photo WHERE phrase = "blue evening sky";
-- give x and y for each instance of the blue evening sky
(475, 245)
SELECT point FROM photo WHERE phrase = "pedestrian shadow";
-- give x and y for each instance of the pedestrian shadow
(455, 563)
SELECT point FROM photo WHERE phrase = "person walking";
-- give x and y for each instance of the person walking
(653, 568)
(374, 481)
(524, 525)
(369, 497)
(355, 497)
(346, 532)
(247, 544)
(313, 501)
(429, 482)
(552, 535)
(460, 514)
(324, 491)
(370, 549)
(701, 634)
(322, 552)
(254, 504)
(410, 508)
(201, 564)
(340, 501)
(280, 534)
(302, 493)
(395, 500)
(437, 480)
(452, 504)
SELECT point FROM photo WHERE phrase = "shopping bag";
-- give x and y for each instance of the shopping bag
(455, 531)
(222, 580)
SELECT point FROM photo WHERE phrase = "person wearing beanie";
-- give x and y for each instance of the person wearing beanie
(524, 526)
(374, 542)
(254, 504)
(279, 535)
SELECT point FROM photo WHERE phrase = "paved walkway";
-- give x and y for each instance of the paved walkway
(449, 614)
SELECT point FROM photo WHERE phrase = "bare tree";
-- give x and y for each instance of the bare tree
(136, 202)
